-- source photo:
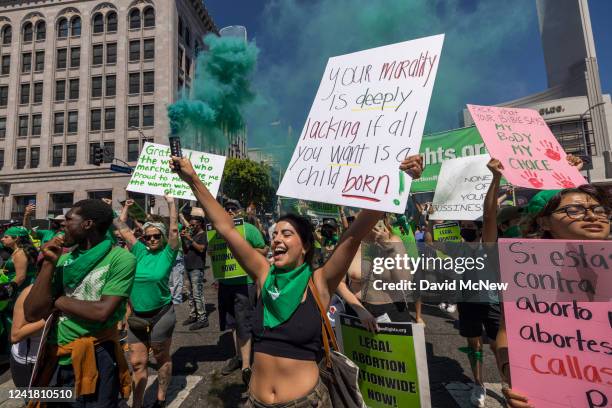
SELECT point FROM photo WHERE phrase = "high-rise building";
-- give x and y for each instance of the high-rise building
(76, 75)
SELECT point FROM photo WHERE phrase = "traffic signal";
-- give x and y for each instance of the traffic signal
(98, 155)
(152, 201)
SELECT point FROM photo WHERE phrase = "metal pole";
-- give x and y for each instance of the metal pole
(584, 139)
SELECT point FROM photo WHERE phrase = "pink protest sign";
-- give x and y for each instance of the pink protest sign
(558, 314)
(531, 155)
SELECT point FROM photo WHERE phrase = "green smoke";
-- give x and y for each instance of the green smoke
(221, 89)
(483, 59)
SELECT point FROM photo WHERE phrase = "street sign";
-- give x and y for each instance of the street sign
(121, 169)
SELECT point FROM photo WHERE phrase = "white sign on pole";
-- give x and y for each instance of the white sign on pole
(461, 189)
(368, 115)
(152, 174)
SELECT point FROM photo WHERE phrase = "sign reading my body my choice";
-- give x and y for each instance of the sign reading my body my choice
(152, 174)
(367, 117)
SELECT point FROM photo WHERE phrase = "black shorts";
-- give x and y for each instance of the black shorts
(474, 316)
(237, 308)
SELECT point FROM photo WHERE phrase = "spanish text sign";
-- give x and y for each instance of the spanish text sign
(152, 174)
(531, 155)
(368, 115)
(557, 311)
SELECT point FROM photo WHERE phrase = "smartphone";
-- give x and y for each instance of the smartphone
(175, 146)
(31, 202)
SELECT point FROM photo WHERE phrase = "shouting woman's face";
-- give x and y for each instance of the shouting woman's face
(287, 248)
(578, 216)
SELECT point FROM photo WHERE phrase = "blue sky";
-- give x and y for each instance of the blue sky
(492, 51)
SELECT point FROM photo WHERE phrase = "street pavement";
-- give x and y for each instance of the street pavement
(199, 356)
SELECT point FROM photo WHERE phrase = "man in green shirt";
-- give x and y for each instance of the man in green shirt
(88, 288)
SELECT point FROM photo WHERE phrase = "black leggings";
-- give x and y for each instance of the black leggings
(21, 373)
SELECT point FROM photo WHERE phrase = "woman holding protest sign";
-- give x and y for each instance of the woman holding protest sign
(287, 333)
(152, 321)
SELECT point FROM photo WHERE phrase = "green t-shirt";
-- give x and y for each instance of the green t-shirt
(256, 239)
(44, 235)
(112, 276)
(151, 289)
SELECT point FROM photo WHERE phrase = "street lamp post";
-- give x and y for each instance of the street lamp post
(584, 139)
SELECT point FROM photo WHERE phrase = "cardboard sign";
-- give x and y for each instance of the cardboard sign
(224, 265)
(557, 311)
(152, 174)
(392, 363)
(447, 232)
(531, 155)
(462, 186)
(367, 117)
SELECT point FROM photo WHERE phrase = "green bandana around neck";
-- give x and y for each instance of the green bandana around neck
(79, 263)
(282, 293)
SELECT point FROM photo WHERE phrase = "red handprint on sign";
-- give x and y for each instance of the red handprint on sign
(563, 181)
(532, 178)
(551, 151)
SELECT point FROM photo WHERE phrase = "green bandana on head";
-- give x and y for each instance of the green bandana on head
(16, 232)
(282, 293)
(77, 264)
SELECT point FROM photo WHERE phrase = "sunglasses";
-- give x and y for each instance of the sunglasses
(156, 237)
(232, 209)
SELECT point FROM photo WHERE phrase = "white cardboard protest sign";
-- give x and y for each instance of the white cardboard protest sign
(461, 189)
(152, 174)
(368, 115)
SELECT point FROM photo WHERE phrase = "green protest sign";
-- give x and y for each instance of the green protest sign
(447, 232)
(224, 265)
(439, 147)
(392, 362)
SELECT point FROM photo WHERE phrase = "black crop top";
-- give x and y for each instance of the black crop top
(298, 338)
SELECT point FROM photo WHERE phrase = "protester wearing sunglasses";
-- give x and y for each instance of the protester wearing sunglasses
(153, 319)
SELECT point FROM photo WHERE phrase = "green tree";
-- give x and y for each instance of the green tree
(246, 181)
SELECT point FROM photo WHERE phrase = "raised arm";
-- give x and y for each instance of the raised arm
(120, 225)
(489, 217)
(27, 216)
(173, 232)
(255, 264)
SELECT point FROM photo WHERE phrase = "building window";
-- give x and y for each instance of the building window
(98, 23)
(111, 85)
(71, 154)
(134, 19)
(109, 152)
(75, 27)
(59, 201)
(28, 32)
(188, 66)
(148, 115)
(180, 57)
(98, 195)
(56, 158)
(149, 49)
(62, 28)
(58, 123)
(20, 204)
(148, 81)
(41, 31)
(1, 159)
(73, 121)
(21, 159)
(38, 92)
(3, 96)
(180, 27)
(6, 64)
(60, 90)
(134, 116)
(109, 119)
(97, 54)
(26, 62)
(7, 35)
(96, 120)
(111, 53)
(134, 83)
(39, 64)
(36, 125)
(111, 22)
(23, 125)
(149, 17)
(96, 87)
(75, 57)
(24, 95)
(2, 128)
(133, 150)
(187, 37)
(73, 86)
(34, 157)
(62, 56)
(134, 50)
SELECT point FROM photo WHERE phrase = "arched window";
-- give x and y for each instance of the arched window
(149, 17)
(62, 28)
(28, 32)
(41, 30)
(75, 27)
(98, 23)
(135, 19)
(7, 35)
(111, 22)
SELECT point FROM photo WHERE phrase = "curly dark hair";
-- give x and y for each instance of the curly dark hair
(97, 211)
(304, 229)
(28, 247)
